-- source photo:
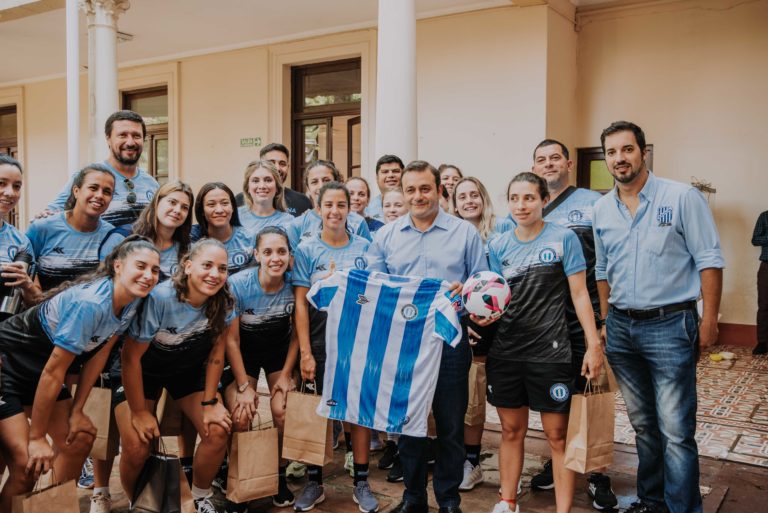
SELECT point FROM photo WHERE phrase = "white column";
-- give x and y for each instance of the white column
(396, 80)
(102, 67)
(73, 87)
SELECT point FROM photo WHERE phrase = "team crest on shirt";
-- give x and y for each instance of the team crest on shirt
(289, 308)
(575, 216)
(150, 195)
(664, 216)
(173, 269)
(361, 263)
(239, 258)
(547, 255)
(559, 392)
(409, 311)
(406, 420)
(12, 250)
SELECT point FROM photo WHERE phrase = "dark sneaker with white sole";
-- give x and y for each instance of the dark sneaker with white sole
(599, 489)
(544, 479)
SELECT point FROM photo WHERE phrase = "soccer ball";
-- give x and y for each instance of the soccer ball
(486, 294)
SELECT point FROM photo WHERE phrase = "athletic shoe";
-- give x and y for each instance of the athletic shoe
(760, 349)
(101, 503)
(363, 497)
(503, 507)
(204, 505)
(431, 455)
(284, 497)
(376, 443)
(473, 476)
(86, 475)
(599, 489)
(642, 507)
(236, 507)
(349, 463)
(220, 483)
(388, 458)
(395, 474)
(295, 470)
(311, 495)
(544, 479)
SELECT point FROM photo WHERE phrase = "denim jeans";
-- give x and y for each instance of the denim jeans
(448, 407)
(655, 364)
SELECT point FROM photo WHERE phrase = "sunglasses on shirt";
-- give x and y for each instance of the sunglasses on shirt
(131, 198)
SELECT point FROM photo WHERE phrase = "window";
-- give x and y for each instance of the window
(9, 145)
(152, 105)
(325, 117)
(592, 172)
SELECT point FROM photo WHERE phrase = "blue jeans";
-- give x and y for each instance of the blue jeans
(448, 407)
(655, 364)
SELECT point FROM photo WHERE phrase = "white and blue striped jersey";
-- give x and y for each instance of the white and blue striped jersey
(11, 242)
(239, 247)
(63, 253)
(393, 329)
(255, 224)
(310, 223)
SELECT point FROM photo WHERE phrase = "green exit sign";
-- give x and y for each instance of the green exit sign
(249, 142)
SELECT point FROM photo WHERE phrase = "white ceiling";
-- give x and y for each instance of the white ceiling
(172, 28)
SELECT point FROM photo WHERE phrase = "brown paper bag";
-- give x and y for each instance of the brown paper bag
(606, 380)
(589, 443)
(307, 436)
(475, 415)
(253, 463)
(98, 407)
(169, 415)
(60, 498)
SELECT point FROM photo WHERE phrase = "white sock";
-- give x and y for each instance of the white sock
(104, 490)
(201, 493)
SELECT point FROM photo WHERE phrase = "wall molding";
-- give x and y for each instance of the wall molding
(743, 335)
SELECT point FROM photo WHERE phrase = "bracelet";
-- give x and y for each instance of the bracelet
(210, 402)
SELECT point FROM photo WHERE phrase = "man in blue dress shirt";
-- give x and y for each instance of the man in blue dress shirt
(657, 251)
(432, 244)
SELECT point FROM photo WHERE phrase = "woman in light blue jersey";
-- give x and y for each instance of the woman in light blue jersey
(12, 241)
(77, 325)
(66, 244)
(218, 219)
(264, 305)
(264, 196)
(317, 174)
(333, 248)
(360, 194)
(178, 344)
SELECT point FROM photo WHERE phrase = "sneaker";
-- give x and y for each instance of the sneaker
(543, 480)
(101, 503)
(599, 489)
(86, 475)
(363, 497)
(503, 507)
(431, 451)
(349, 463)
(220, 483)
(204, 505)
(295, 470)
(388, 458)
(642, 507)
(376, 443)
(311, 495)
(760, 349)
(395, 474)
(236, 507)
(473, 476)
(284, 497)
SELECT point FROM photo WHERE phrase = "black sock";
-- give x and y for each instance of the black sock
(361, 473)
(315, 473)
(473, 454)
(348, 440)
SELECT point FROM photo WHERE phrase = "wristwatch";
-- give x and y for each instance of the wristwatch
(210, 402)
(242, 388)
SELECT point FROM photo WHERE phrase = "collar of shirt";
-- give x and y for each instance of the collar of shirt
(441, 222)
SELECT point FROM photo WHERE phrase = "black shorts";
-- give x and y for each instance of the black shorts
(16, 391)
(543, 387)
(178, 385)
(271, 362)
(486, 333)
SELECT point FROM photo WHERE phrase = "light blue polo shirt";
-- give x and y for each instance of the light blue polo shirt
(654, 259)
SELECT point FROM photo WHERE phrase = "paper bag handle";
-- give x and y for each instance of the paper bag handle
(304, 386)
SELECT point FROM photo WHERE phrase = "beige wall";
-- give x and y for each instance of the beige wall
(695, 79)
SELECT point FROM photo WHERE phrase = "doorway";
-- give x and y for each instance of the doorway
(325, 117)
(9, 145)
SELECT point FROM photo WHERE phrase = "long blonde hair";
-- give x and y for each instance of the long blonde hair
(278, 202)
(487, 217)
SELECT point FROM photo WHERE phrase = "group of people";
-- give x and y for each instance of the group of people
(122, 283)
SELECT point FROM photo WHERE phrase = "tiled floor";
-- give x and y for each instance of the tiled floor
(732, 413)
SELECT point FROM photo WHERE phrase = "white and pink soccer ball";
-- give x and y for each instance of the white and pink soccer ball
(486, 294)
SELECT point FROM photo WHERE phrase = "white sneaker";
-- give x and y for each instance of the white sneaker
(503, 507)
(101, 503)
(473, 476)
(349, 463)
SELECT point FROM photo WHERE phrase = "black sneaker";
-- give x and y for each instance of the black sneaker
(431, 451)
(642, 507)
(284, 497)
(388, 458)
(236, 507)
(760, 349)
(544, 480)
(220, 481)
(599, 489)
(395, 474)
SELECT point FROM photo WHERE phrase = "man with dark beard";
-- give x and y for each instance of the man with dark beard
(134, 187)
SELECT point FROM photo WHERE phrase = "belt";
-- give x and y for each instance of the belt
(655, 313)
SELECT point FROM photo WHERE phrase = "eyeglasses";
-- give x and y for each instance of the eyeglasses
(131, 198)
